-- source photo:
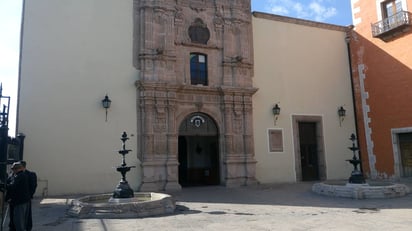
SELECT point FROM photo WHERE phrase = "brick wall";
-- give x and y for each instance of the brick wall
(382, 72)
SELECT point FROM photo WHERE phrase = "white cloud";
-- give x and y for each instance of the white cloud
(318, 10)
(279, 10)
(321, 12)
(300, 10)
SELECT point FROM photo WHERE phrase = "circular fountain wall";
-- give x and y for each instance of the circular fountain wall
(361, 191)
(104, 206)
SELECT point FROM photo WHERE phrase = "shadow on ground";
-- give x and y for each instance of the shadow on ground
(296, 194)
(50, 213)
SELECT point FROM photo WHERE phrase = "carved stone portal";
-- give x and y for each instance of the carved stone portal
(194, 134)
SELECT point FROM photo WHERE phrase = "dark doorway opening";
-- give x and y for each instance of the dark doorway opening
(308, 151)
(198, 147)
(199, 162)
(405, 146)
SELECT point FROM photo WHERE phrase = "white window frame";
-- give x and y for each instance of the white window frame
(379, 8)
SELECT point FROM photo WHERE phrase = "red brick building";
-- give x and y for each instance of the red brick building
(381, 57)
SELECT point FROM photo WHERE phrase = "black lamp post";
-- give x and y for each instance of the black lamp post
(106, 102)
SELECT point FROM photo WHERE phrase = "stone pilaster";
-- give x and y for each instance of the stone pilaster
(154, 176)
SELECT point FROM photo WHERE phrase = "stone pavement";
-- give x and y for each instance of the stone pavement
(262, 207)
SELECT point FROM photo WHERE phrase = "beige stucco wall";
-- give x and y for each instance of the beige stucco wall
(73, 53)
(305, 69)
(82, 49)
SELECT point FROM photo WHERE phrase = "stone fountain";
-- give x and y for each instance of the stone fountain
(356, 175)
(357, 187)
(123, 189)
(123, 202)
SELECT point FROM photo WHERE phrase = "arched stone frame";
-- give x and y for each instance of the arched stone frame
(181, 117)
(199, 156)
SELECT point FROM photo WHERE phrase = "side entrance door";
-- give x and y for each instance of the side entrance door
(308, 151)
(405, 145)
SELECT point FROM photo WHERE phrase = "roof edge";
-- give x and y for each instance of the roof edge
(303, 22)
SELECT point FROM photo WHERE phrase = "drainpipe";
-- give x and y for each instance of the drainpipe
(347, 40)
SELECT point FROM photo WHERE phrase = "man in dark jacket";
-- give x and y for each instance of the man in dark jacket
(18, 196)
(32, 188)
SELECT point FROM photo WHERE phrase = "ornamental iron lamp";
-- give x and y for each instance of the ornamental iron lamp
(276, 112)
(106, 102)
(341, 114)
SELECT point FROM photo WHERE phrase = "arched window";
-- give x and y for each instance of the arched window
(198, 69)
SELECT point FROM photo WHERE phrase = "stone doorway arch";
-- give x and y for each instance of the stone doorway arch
(198, 151)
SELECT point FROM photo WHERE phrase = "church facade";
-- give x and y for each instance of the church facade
(194, 85)
(195, 90)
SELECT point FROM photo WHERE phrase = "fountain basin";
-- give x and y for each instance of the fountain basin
(361, 191)
(104, 206)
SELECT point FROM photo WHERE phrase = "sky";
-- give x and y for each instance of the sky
(10, 15)
(329, 11)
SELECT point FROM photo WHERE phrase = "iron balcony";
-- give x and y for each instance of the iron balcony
(392, 25)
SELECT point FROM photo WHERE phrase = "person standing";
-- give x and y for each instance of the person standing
(18, 197)
(10, 207)
(32, 188)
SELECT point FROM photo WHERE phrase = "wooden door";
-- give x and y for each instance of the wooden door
(308, 151)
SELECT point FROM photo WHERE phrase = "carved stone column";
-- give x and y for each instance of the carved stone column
(239, 160)
(250, 162)
(172, 164)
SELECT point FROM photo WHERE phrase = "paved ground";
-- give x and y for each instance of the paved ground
(264, 207)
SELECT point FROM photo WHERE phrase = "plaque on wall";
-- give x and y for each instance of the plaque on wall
(275, 140)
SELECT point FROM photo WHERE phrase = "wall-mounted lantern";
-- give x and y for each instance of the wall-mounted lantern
(106, 102)
(276, 112)
(341, 114)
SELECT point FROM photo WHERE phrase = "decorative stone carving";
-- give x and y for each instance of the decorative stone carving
(165, 99)
(198, 32)
(218, 22)
(179, 17)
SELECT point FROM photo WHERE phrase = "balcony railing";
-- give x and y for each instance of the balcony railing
(394, 23)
